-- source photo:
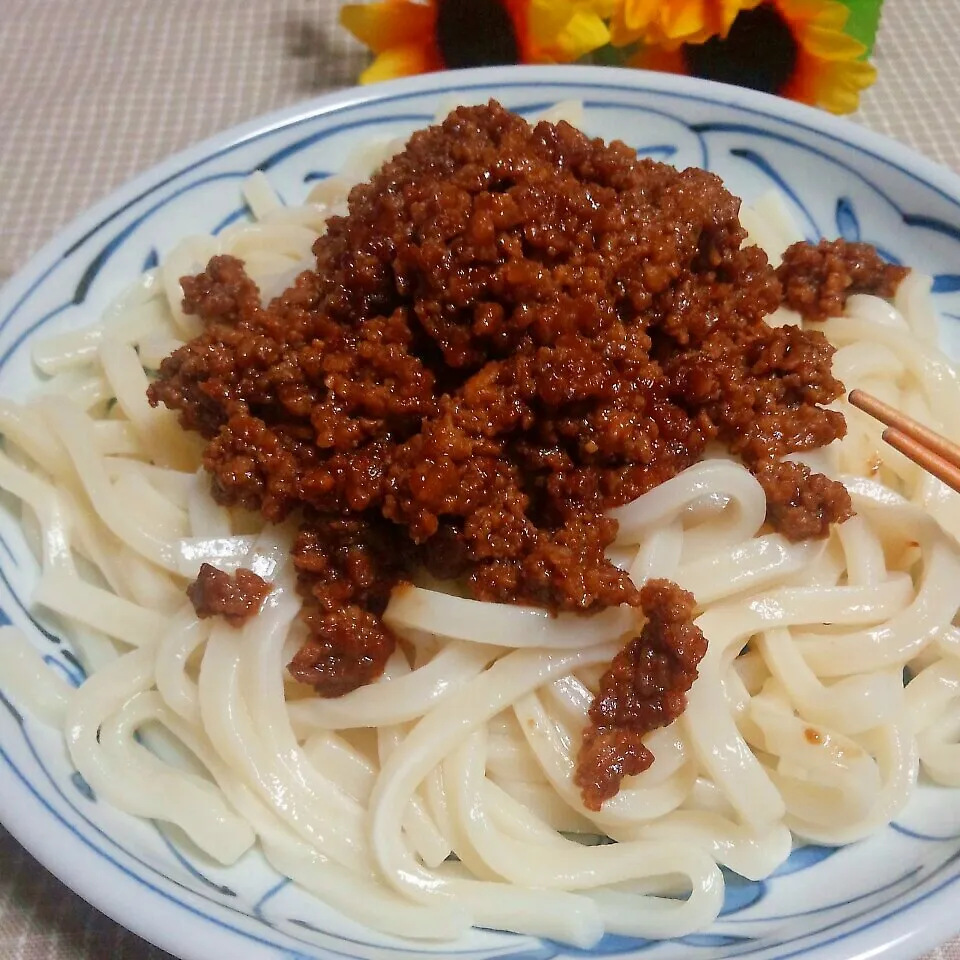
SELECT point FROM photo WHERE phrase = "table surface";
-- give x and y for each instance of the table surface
(95, 91)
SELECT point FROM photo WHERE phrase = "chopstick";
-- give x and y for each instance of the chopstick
(926, 448)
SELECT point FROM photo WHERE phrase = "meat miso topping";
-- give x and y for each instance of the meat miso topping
(236, 598)
(645, 688)
(818, 279)
(512, 330)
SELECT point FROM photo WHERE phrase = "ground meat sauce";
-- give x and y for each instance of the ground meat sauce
(645, 688)
(236, 598)
(817, 279)
(512, 330)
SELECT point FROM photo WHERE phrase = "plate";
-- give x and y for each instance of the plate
(890, 897)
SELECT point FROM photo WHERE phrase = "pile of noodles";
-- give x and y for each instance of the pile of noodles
(442, 795)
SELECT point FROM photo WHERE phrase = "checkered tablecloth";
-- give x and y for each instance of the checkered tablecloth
(93, 91)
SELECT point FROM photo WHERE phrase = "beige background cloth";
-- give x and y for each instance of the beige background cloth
(94, 91)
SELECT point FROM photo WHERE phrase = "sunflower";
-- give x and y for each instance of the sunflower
(410, 37)
(794, 48)
(669, 23)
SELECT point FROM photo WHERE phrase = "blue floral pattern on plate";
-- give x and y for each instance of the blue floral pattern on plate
(823, 902)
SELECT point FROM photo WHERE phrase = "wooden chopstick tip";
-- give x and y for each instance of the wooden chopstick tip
(929, 450)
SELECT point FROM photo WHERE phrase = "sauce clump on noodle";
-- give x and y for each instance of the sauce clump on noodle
(236, 598)
(645, 688)
(511, 331)
(818, 278)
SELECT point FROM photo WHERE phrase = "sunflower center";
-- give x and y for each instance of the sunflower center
(475, 33)
(760, 52)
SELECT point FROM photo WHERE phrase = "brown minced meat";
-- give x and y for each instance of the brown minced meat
(512, 330)
(236, 598)
(818, 278)
(645, 688)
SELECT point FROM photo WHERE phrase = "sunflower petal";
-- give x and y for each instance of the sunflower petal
(602, 8)
(563, 31)
(674, 22)
(638, 14)
(843, 83)
(404, 61)
(834, 85)
(583, 34)
(680, 21)
(393, 23)
(631, 20)
(832, 44)
(828, 13)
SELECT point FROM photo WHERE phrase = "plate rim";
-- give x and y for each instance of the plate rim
(117, 897)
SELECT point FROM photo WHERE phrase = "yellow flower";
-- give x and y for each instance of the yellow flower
(410, 37)
(669, 23)
(794, 48)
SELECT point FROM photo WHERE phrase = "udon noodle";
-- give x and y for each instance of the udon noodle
(442, 795)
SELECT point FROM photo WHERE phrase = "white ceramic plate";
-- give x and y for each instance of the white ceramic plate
(891, 897)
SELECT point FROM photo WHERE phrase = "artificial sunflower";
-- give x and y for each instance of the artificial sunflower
(795, 48)
(411, 37)
(670, 23)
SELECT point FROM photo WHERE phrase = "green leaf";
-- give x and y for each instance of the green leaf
(863, 21)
